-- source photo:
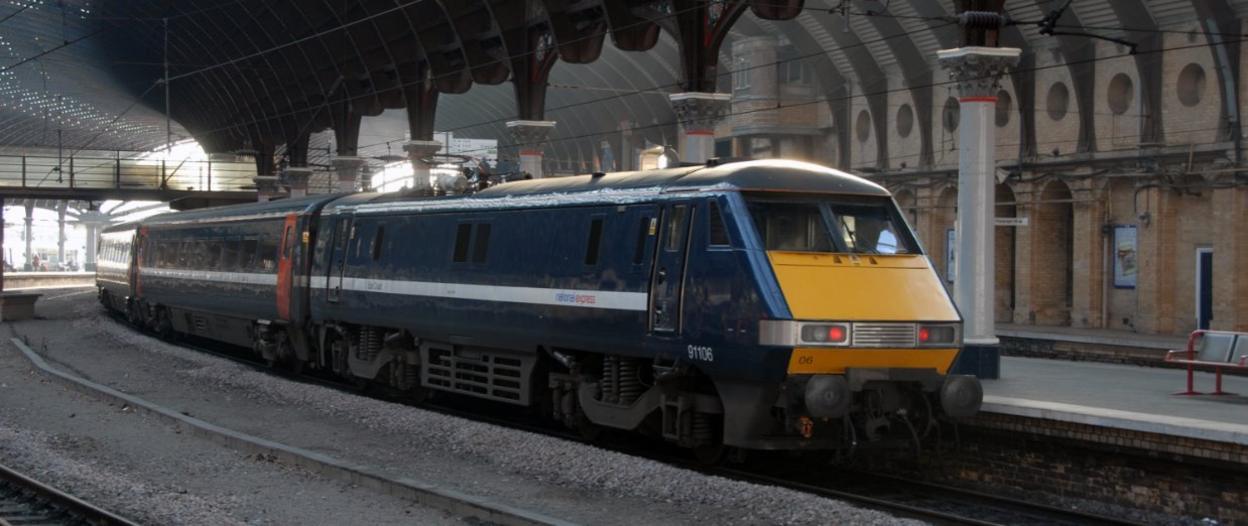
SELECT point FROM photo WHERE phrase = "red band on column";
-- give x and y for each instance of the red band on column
(531, 153)
(977, 99)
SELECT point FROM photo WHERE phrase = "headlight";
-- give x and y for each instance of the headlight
(933, 335)
(865, 335)
(826, 333)
(789, 333)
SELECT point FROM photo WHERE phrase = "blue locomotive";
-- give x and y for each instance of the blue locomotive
(757, 305)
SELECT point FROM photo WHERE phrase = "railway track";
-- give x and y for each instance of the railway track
(903, 497)
(921, 500)
(26, 501)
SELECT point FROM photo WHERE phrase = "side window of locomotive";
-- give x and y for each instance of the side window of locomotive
(481, 244)
(594, 245)
(646, 227)
(674, 229)
(463, 234)
(717, 229)
(378, 239)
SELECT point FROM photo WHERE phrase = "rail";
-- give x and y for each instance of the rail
(28, 501)
(101, 173)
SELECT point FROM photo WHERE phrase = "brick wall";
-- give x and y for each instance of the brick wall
(1193, 118)
(1230, 258)
(1130, 474)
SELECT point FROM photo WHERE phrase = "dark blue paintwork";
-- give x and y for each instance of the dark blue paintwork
(723, 301)
(723, 293)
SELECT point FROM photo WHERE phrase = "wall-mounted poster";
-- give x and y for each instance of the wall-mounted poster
(1126, 263)
(951, 243)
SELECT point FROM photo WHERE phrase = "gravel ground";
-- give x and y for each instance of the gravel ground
(145, 470)
(562, 478)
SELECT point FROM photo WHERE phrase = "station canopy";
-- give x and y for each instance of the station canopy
(88, 73)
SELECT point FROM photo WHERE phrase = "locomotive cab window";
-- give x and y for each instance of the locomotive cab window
(717, 230)
(858, 226)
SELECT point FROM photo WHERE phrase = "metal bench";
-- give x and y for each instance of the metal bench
(1216, 349)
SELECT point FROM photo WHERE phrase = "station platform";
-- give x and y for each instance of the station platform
(1122, 405)
(1103, 345)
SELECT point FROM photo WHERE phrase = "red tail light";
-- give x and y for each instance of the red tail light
(836, 334)
(924, 334)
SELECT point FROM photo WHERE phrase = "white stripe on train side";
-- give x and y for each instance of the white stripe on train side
(593, 299)
(244, 278)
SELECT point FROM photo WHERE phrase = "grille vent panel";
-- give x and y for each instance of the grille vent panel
(884, 335)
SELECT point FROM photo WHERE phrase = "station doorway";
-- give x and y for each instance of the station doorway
(1204, 287)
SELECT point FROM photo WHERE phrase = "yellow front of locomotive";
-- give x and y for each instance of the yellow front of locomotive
(873, 331)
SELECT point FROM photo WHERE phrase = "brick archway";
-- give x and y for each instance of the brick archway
(1052, 291)
(1004, 255)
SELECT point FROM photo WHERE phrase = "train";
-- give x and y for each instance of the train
(754, 305)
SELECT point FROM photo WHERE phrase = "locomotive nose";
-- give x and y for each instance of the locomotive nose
(961, 395)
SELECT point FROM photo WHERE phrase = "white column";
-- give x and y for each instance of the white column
(30, 222)
(698, 114)
(94, 221)
(530, 137)
(420, 154)
(60, 232)
(347, 171)
(977, 70)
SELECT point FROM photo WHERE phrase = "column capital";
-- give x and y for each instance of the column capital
(348, 161)
(421, 149)
(296, 179)
(700, 112)
(529, 135)
(978, 70)
(267, 187)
